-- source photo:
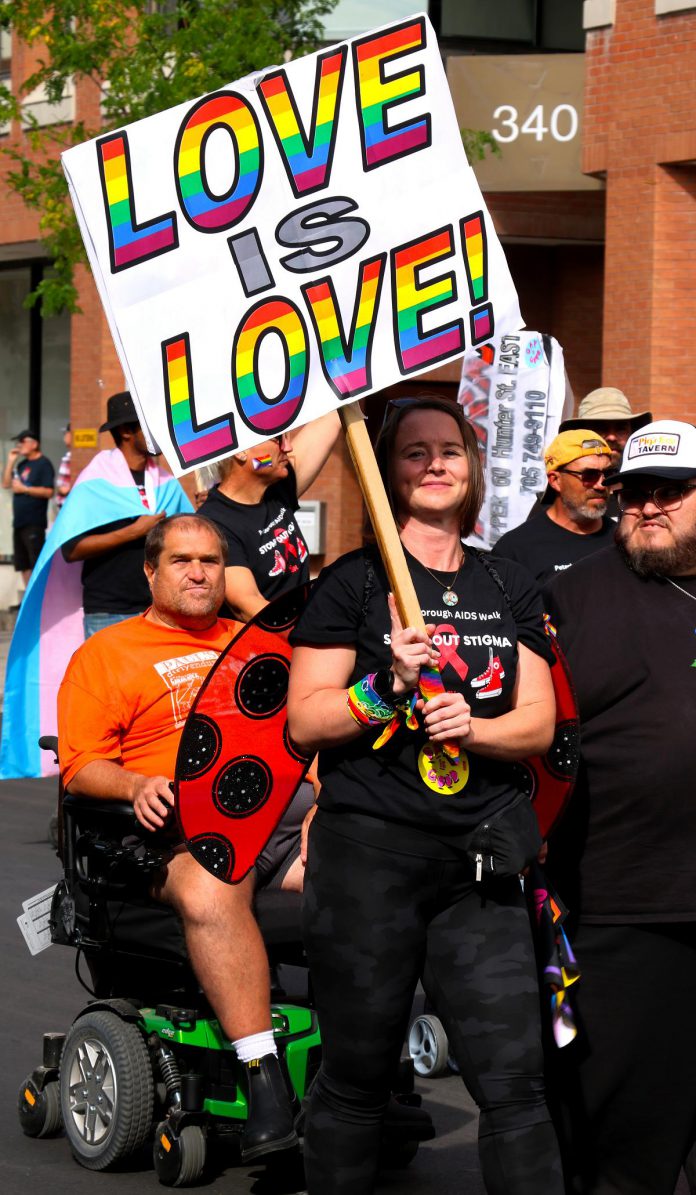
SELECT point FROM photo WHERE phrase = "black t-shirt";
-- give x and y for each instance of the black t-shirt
(263, 536)
(27, 510)
(114, 582)
(546, 549)
(625, 850)
(477, 640)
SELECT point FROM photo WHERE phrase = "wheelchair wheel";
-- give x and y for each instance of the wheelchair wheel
(179, 1158)
(39, 1111)
(106, 1089)
(428, 1046)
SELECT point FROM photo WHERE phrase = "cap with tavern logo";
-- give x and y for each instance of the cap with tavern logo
(666, 448)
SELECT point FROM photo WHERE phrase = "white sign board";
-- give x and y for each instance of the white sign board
(513, 391)
(299, 239)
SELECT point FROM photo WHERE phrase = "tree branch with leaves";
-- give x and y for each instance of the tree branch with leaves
(141, 57)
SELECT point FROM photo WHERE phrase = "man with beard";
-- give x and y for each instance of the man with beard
(623, 856)
(575, 524)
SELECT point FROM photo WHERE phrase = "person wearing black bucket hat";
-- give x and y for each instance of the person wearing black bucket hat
(30, 476)
(622, 859)
(113, 582)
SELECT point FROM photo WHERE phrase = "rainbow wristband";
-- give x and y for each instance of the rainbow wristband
(365, 705)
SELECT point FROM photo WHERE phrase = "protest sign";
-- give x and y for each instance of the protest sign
(513, 390)
(301, 238)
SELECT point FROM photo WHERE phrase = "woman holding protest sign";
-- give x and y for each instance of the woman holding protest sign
(398, 885)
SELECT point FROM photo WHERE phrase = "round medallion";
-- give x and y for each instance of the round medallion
(450, 598)
(439, 772)
(200, 746)
(243, 786)
(262, 686)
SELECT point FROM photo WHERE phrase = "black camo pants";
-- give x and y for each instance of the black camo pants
(374, 922)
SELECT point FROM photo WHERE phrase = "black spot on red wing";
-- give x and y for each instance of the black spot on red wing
(199, 748)
(214, 852)
(291, 748)
(262, 686)
(563, 756)
(242, 786)
(283, 613)
(524, 778)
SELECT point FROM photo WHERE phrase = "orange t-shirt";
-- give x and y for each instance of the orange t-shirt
(127, 691)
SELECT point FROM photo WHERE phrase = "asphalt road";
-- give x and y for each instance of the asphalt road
(41, 993)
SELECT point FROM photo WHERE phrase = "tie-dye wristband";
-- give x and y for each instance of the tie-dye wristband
(365, 705)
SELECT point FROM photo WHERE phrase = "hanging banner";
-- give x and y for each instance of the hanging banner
(513, 390)
(304, 237)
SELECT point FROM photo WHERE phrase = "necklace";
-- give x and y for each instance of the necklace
(449, 597)
(684, 591)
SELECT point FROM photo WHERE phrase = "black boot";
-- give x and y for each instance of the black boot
(269, 1125)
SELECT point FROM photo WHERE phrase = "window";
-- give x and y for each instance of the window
(537, 24)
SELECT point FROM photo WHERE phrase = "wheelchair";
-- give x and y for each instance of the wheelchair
(145, 1059)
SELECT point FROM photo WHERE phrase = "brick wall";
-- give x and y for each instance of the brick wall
(640, 131)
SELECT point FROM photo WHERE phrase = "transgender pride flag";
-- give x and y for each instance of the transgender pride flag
(49, 624)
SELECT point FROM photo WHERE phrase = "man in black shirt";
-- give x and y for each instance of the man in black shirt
(255, 507)
(577, 463)
(30, 476)
(623, 858)
(114, 586)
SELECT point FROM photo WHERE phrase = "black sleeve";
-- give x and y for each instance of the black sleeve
(526, 604)
(69, 544)
(335, 607)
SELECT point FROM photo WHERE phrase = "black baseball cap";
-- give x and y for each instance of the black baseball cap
(27, 434)
(120, 409)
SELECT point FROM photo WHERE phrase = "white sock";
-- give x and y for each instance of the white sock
(256, 1045)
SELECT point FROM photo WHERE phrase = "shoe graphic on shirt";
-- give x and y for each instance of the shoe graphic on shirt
(489, 682)
(278, 565)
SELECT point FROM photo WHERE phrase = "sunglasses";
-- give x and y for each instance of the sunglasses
(588, 477)
(666, 497)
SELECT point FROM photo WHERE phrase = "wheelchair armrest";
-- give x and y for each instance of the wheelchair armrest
(95, 807)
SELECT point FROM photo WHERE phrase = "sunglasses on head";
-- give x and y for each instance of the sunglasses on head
(588, 477)
(667, 496)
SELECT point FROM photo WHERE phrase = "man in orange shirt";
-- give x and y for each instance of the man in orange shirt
(121, 710)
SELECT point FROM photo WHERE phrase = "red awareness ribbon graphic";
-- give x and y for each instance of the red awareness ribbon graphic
(448, 651)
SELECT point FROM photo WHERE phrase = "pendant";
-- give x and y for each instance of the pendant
(450, 598)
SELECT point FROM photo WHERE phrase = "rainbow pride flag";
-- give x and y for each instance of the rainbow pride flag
(49, 624)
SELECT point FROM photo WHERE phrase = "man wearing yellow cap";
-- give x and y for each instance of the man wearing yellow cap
(576, 523)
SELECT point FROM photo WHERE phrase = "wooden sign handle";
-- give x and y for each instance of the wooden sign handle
(390, 546)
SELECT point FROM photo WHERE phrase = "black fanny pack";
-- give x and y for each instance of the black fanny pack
(507, 842)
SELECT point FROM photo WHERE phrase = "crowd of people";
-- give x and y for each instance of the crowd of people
(408, 772)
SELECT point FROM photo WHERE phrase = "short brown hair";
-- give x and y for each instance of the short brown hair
(154, 542)
(384, 447)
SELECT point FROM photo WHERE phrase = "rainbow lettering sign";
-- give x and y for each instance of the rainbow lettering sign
(206, 211)
(476, 262)
(307, 159)
(416, 348)
(129, 242)
(377, 96)
(263, 413)
(194, 443)
(319, 236)
(347, 363)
